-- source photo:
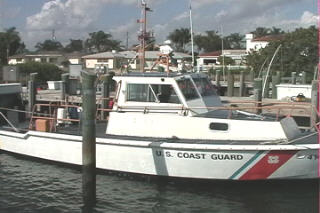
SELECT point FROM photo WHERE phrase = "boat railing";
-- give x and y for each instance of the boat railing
(51, 115)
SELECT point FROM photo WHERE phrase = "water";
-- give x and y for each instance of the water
(32, 186)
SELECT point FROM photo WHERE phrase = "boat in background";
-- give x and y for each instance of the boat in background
(174, 125)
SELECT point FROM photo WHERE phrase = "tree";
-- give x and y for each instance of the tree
(10, 44)
(180, 37)
(46, 72)
(276, 31)
(209, 42)
(234, 41)
(101, 42)
(49, 45)
(75, 45)
(260, 31)
(263, 31)
(299, 52)
(226, 60)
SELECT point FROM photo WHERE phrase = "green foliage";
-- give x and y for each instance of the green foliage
(180, 38)
(75, 45)
(209, 42)
(299, 52)
(212, 71)
(101, 42)
(226, 60)
(46, 72)
(49, 45)
(234, 41)
(10, 44)
(263, 31)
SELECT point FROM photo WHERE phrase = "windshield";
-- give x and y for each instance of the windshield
(204, 87)
(187, 88)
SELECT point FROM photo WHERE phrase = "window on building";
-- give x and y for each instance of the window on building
(209, 61)
(102, 60)
(53, 60)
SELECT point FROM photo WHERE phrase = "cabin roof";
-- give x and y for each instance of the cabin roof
(159, 74)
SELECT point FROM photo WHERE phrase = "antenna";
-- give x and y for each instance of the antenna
(222, 49)
(144, 36)
(53, 35)
(191, 34)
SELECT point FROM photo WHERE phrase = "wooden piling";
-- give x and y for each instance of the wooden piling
(88, 138)
(257, 91)
(32, 91)
(242, 84)
(276, 79)
(218, 78)
(314, 103)
(64, 85)
(230, 84)
(293, 78)
(304, 78)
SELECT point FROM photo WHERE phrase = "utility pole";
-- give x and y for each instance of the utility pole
(127, 44)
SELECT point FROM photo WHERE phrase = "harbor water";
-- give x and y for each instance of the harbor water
(35, 186)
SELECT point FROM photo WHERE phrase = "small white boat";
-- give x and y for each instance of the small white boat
(175, 125)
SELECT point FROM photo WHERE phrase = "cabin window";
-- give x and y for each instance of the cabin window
(187, 88)
(219, 126)
(137, 92)
(204, 87)
(158, 93)
(165, 93)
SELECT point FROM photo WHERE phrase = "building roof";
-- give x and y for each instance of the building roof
(104, 55)
(74, 55)
(129, 54)
(155, 55)
(179, 55)
(211, 54)
(268, 38)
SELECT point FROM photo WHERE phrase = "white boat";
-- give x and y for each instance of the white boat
(174, 125)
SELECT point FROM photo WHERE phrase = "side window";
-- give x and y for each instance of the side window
(166, 94)
(137, 92)
(158, 93)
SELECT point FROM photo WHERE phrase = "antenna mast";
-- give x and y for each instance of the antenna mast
(191, 34)
(144, 36)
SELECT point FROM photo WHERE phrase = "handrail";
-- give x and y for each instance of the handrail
(12, 126)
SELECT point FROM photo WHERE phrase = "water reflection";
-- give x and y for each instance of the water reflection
(29, 186)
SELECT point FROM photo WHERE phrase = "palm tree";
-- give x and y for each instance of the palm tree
(180, 37)
(101, 41)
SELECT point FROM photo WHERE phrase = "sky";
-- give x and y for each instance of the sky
(75, 19)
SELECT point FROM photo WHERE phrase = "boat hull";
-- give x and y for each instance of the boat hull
(184, 160)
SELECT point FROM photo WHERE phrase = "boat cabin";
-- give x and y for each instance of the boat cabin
(186, 106)
(162, 92)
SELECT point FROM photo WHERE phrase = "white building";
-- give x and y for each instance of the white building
(111, 60)
(255, 44)
(52, 57)
(207, 60)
